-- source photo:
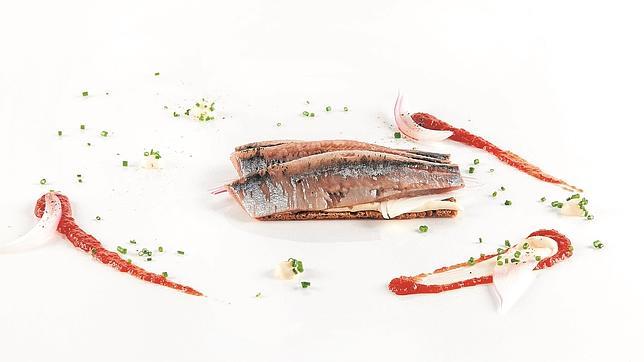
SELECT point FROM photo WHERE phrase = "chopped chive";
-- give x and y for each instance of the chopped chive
(543, 199)
(160, 248)
(499, 262)
(60, 133)
(259, 294)
(476, 161)
(104, 133)
(514, 260)
(165, 274)
(506, 260)
(89, 144)
(328, 108)
(397, 135)
(480, 240)
(124, 163)
(85, 93)
(517, 254)
(93, 251)
(148, 259)
(82, 126)
(525, 245)
(312, 114)
(537, 258)
(305, 284)
(43, 181)
(175, 114)
(129, 261)
(502, 188)
(279, 124)
(157, 73)
(423, 228)
(470, 261)
(507, 243)
(121, 250)
(494, 194)
(491, 170)
(499, 250)
(98, 218)
(471, 170)
(508, 202)
(590, 217)
(132, 241)
(597, 244)
(180, 252)
(305, 113)
(346, 109)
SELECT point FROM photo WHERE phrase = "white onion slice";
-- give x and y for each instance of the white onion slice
(512, 280)
(411, 129)
(45, 229)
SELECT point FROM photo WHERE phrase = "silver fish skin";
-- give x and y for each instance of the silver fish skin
(253, 157)
(340, 179)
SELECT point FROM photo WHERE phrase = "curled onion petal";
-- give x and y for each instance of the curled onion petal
(411, 129)
(512, 280)
(45, 229)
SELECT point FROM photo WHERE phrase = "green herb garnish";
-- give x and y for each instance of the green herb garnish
(121, 250)
(508, 202)
(397, 135)
(43, 181)
(471, 170)
(305, 284)
(85, 93)
(124, 163)
(104, 133)
(328, 108)
(597, 244)
(423, 228)
(476, 161)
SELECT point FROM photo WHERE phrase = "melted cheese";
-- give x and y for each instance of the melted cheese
(392, 208)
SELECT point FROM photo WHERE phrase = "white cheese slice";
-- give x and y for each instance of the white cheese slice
(392, 208)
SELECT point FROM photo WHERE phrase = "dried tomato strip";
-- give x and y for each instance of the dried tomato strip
(461, 135)
(80, 239)
(410, 285)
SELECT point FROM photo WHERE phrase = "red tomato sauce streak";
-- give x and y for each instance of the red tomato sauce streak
(409, 285)
(461, 135)
(89, 244)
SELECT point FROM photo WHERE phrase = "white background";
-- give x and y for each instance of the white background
(557, 82)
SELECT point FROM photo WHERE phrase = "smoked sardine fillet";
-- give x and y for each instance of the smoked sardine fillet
(339, 179)
(253, 157)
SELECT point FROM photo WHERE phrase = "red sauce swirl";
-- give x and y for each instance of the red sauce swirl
(409, 285)
(89, 244)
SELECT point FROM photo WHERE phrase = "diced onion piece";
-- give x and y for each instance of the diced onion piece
(411, 129)
(284, 270)
(571, 208)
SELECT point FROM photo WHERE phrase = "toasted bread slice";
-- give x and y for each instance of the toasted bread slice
(349, 215)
